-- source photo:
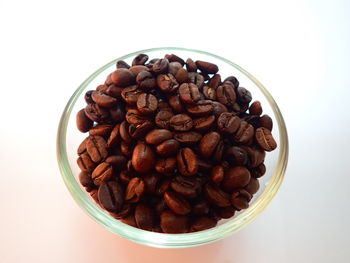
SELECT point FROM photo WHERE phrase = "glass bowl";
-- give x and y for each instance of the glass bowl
(69, 138)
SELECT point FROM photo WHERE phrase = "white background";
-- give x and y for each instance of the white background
(298, 49)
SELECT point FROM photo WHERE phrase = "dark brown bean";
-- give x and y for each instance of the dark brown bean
(163, 186)
(162, 119)
(190, 65)
(114, 91)
(181, 76)
(122, 77)
(87, 97)
(124, 132)
(243, 95)
(103, 130)
(143, 158)
(209, 93)
(236, 155)
(140, 59)
(174, 58)
(84, 124)
(265, 139)
(216, 196)
(207, 67)
(137, 69)
(85, 163)
(138, 131)
(188, 138)
(145, 80)
(258, 171)
(168, 148)
(114, 137)
(175, 104)
(228, 122)
(218, 108)
(226, 94)
(255, 156)
(255, 108)
(172, 223)
(196, 78)
(208, 143)
(86, 181)
(203, 123)
(217, 174)
(167, 83)
(151, 181)
(124, 212)
(134, 190)
(94, 195)
(133, 116)
(189, 93)
(253, 186)
(117, 114)
(188, 187)
(177, 203)
(122, 64)
(166, 165)
(144, 217)
(97, 148)
(200, 207)
(103, 100)
(187, 162)
(131, 94)
(225, 212)
(129, 220)
(117, 161)
(160, 66)
(266, 122)
(181, 122)
(233, 80)
(203, 223)
(240, 199)
(102, 173)
(235, 177)
(111, 196)
(158, 136)
(174, 67)
(215, 81)
(96, 113)
(202, 108)
(244, 133)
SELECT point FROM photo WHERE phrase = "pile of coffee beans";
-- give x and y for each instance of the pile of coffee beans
(172, 147)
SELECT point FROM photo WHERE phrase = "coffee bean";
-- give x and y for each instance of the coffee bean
(117, 161)
(103, 130)
(129, 220)
(174, 58)
(203, 123)
(84, 124)
(258, 171)
(218, 108)
(143, 158)
(125, 177)
(255, 156)
(164, 106)
(175, 103)
(162, 119)
(244, 133)
(88, 98)
(101, 88)
(114, 137)
(253, 186)
(94, 195)
(96, 113)
(163, 186)
(186, 186)
(145, 80)
(122, 77)
(217, 174)
(181, 122)
(137, 69)
(168, 148)
(140, 59)
(97, 148)
(181, 76)
(174, 67)
(226, 94)
(138, 131)
(215, 81)
(124, 212)
(240, 199)
(188, 138)
(190, 65)
(255, 108)
(147, 103)
(265, 139)
(225, 212)
(203, 223)
(209, 93)
(202, 108)
(160, 207)
(108, 80)
(228, 122)
(86, 181)
(117, 114)
(189, 93)
(85, 163)
(207, 67)
(187, 162)
(243, 95)
(167, 83)
(216, 196)
(158, 136)
(151, 181)
(177, 203)
(200, 207)
(166, 165)
(160, 66)
(172, 223)
(208, 143)
(126, 149)
(102, 173)
(103, 100)
(114, 91)
(134, 116)
(131, 94)
(204, 166)
(111, 196)
(122, 64)
(236, 155)
(233, 80)
(124, 132)
(134, 190)
(266, 122)
(144, 217)
(235, 177)
(196, 78)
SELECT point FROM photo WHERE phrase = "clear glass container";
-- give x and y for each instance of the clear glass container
(69, 138)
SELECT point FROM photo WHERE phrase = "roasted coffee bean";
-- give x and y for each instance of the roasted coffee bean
(138, 131)
(140, 59)
(203, 223)
(117, 114)
(187, 162)
(143, 158)
(200, 207)
(117, 161)
(114, 91)
(124, 132)
(174, 67)
(144, 217)
(202, 108)
(225, 212)
(175, 104)
(94, 195)
(225, 94)
(218, 152)
(103, 130)
(189, 93)
(134, 116)
(160, 207)
(236, 155)
(177, 203)
(145, 80)
(96, 113)
(255, 156)
(129, 220)
(266, 122)
(167, 83)
(162, 105)
(174, 58)
(240, 199)
(102, 173)
(208, 143)
(235, 177)
(173, 223)
(84, 124)
(166, 165)
(233, 80)
(203, 123)
(215, 81)
(207, 67)
(265, 139)
(160, 66)
(209, 93)
(255, 108)
(253, 186)
(217, 174)
(103, 100)
(126, 149)
(162, 119)
(196, 78)
(147, 103)
(204, 166)
(131, 94)
(108, 80)
(188, 187)
(88, 98)
(137, 69)
(124, 212)
(134, 190)
(181, 76)
(163, 186)
(111, 196)
(258, 171)
(190, 65)
(122, 77)
(85, 163)
(188, 138)
(125, 177)
(114, 136)
(151, 181)
(243, 95)
(244, 133)
(168, 148)
(101, 88)
(122, 64)
(218, 108)
(228, 122)
(158, 136)
(97, 148)
(86, 181)
(181, 122)
(216, 196)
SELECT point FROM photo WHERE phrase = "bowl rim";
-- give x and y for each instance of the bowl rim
(160, 239)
